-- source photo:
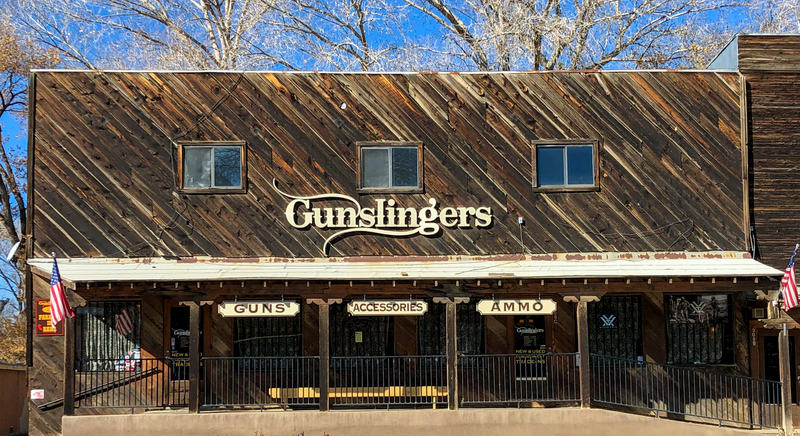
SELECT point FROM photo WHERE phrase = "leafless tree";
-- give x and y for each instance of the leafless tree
(163, 34)
(556, 34)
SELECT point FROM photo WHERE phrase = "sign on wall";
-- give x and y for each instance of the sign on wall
(387, 307)
(387, 218)
(257, 308)
(42, 315)
(517, 307)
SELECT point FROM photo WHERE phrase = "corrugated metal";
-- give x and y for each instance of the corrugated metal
(550, 266)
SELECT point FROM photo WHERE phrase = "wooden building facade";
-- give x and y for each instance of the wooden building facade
(440, 239)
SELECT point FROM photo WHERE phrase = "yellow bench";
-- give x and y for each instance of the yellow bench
(388, 391)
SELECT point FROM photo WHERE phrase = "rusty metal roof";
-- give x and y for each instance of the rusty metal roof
(537, 266)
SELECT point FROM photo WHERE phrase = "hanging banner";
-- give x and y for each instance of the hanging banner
(387, 307)
(258, 308)
(517, 307)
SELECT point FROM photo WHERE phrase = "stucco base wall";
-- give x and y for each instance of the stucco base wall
(469, 422)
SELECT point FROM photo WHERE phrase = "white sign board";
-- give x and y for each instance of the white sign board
(37, 394)
(387, 307)
(258, 308)
(517, 307)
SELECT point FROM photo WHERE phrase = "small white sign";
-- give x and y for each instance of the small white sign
(258, 308)
(387, 307)
(37, 394)
(517, 307)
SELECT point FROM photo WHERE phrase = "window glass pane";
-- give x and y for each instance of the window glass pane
(227, 167)
(699, 329)
(580, 165)
(375, 167)
(196, 167)
(550, 166)
(404, 166)
(107, 336)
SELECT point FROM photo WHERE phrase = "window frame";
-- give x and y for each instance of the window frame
(565, 143)
(728, 343)
(360, 145)
(212, 189)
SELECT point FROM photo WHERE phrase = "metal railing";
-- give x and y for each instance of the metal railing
(518, 378)
(688, 392)
(131, 383)
(386, 381)
(260, 381)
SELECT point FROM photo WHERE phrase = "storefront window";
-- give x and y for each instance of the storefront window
(355, 336)
(432, 337)
(699, 329)
(268, 337)
(615, 327)
(108, 336)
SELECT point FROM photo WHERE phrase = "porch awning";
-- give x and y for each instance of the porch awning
(539, 266)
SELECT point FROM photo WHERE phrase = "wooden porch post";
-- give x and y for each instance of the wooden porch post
(451, 348)
(583, 344)
(324, 355)
(786, 381)
(69, 366)
(194, 357)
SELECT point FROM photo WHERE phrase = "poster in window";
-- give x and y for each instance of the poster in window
(698, 309)
(530, 347)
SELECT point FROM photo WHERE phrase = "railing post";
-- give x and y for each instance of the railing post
(786, 381)
(69, 366)
(324, 355)
(194, 357)
(452, 354)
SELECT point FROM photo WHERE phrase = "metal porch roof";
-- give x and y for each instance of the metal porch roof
(539, 266)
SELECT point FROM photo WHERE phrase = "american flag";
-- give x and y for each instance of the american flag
(123, 324)
(59, 306)
(789, 285)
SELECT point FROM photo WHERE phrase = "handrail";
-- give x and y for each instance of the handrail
(105, 387)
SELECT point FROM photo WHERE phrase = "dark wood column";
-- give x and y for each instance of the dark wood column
(583, 344)
(69, 366)
(786, 380)
(451, 348)
(324, 355)
(194, 356)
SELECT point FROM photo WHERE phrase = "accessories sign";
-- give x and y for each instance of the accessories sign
(387, 307)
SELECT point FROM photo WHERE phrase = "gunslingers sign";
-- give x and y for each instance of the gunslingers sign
(386, 218)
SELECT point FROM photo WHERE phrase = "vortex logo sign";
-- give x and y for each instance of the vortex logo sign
(386, 218)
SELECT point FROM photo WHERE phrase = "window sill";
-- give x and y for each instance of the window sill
(212, 190)
(566, 189)
(390, 190)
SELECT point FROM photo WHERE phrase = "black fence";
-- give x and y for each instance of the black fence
(518, 378)
(131, 383)
(686, 392)
(260, 381)
(387, 381)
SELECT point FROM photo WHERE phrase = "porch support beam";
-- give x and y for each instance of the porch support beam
(69, 366)
(583, 344)
(324, 355)
(786, 381)
(194, 357)
(451, 346)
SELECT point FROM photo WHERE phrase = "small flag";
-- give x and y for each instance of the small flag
(59, 306)
(789, 285)
(123, 326)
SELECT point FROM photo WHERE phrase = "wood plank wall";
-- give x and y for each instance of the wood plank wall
(104, 165)
(771, 67)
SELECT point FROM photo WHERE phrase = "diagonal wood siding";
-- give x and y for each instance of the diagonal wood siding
(104, 160)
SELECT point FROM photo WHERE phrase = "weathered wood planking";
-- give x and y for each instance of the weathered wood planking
(770, 65)
(103, 179)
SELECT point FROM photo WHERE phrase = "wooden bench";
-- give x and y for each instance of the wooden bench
(363, 392)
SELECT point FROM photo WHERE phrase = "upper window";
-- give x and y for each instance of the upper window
(217, 166)
(395, 166)
(565, 165)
